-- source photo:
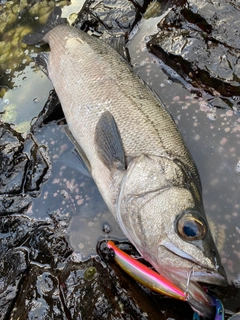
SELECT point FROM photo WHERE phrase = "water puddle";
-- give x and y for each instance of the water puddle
(20, 97)
(212, 136)
(71, 196)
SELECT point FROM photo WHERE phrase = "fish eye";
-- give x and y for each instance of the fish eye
(191, 227)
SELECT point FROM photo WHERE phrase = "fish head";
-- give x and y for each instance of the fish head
(160, 210)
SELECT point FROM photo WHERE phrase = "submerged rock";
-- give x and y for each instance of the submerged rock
(200, 41)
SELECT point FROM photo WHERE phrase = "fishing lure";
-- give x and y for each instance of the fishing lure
(219, 310)
(154, 281)
(145, 275)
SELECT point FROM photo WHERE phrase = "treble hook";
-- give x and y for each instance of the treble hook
(189, 274)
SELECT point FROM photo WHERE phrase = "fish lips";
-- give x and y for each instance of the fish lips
(199, 273)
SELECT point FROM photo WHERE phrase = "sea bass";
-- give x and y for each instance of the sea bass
(137, 158)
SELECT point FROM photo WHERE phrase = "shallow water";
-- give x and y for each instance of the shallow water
(212, 136)
(24, 100)
(71, 194)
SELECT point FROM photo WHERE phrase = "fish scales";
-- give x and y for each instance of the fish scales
(97, 79)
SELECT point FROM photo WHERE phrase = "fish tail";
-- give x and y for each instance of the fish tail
(54, 20)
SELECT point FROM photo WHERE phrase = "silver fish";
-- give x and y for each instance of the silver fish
(137, 158)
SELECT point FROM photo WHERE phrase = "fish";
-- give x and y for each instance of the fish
(137, 158)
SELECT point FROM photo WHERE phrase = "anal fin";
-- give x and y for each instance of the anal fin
(78, 148)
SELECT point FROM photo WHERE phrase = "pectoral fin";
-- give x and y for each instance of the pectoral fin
(108, 142)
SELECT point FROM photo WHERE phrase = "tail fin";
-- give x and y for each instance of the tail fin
(54, 20)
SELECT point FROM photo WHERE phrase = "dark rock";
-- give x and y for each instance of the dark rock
(48, 246)
(14, 230)
(24, 167)
(14, 203)
(38, 167)
(52, 110)
(110, 18)
(31, 252)
(40, 297)
(13, 266)
(200, 41)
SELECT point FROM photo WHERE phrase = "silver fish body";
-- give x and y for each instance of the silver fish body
(137, 158)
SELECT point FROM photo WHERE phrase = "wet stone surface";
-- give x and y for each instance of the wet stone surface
(110, 18)
(200, 41)
(24, 167)
(42, 278)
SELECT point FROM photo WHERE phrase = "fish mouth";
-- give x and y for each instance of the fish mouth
(214, 273)
(197, 274)
(188, 280)
(189, 276)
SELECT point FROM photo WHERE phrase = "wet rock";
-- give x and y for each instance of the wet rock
(52, 110)
(15, 230)
(49, 247)
(24, 167)
(13, 266)
(39, 298)
(102, 296)
(31, 251)
(200, 41)
(110, 18)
